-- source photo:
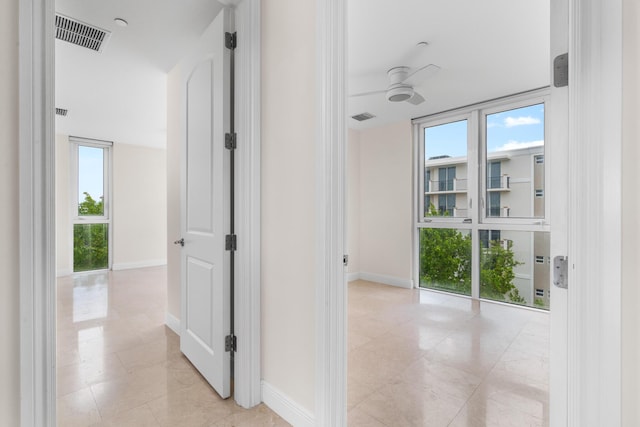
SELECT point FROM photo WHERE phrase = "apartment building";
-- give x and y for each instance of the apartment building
(514, 188)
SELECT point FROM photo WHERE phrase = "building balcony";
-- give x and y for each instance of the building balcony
(498, 212)
(499, 183)
(460, 213)
(454, 185)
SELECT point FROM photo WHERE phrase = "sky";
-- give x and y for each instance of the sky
(508, 130)
(90, 172)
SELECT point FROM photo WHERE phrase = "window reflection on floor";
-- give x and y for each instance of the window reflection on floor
(119, 365)
(418, 357)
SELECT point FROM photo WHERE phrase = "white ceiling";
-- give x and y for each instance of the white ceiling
(120, 94)
(485, 50)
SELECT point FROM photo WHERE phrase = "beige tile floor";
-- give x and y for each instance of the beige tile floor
(416, 358)
(119, 366)
(420, 358)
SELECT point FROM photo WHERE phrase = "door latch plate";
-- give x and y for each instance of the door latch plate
(560, 271)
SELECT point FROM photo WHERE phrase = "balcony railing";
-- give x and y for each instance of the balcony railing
(499, 182)
(454, 184)
(460, 213)
(499, 212)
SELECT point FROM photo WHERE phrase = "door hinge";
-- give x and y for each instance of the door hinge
(561, 70)
(230, 141)
(230, 343)
(230, 40)
(230, 242)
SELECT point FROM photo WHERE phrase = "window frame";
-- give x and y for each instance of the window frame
(106, 218)
(476, 219)
(442, 119)
(512, 103)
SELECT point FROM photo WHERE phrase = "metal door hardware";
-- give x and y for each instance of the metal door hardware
(561, 70)
(179, 242)
(560, 271)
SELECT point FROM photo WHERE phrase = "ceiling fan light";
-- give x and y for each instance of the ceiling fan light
(399, 94)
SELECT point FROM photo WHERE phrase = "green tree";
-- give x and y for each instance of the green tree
(90, 241)
(90, 207)
(445, 263)
(496, 273)
(445, 258)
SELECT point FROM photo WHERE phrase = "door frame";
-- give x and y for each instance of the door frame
(37, 209)
(594, 234)
(595, 40)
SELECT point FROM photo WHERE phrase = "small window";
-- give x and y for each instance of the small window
(539, 193)
(539, 259)
(540, 293)
(539, 160)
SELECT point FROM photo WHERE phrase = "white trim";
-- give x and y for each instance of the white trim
(37, 215)
(138, 264)
(595, 208)
(386, 280)
(247, 364)
(331, 135)
(286, 408)
(64, 272)
(353, 276)
(172, 322)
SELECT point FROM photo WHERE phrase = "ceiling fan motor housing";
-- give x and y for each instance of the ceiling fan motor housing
(397, 91)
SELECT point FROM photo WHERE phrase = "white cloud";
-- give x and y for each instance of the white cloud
(520, 121)
(515, 145)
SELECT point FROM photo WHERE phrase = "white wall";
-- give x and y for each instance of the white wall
(353, 203)
(139, 206)
(385, 222)
(288, 198)
(173, 192)
(9, 261)
(630, 209)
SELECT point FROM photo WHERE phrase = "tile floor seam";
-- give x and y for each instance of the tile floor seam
(371, 415)
(95, 402)
(146, 405)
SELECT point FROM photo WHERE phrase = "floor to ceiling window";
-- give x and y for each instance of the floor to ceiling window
(482, 224)
(90, 198)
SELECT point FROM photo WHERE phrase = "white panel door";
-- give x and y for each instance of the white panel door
(205, 206)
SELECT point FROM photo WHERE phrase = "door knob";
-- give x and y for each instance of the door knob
(179, 242)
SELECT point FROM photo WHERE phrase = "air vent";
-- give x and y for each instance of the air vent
(81, 34)
(61, 112)
(363, 116)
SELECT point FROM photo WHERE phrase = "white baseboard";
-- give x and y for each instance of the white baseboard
(282, 405)
(353, 276)
(138, 264)
(64, 272)
(386, 280)
(172, 322)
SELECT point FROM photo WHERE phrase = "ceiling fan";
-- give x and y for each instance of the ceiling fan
(402, 81)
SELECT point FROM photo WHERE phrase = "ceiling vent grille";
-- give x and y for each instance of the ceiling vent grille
(363, 116)
(61, 112)
(81, 34)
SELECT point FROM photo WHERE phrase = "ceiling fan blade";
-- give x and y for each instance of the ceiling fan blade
(375, 92)
(416, 99)
(421, 74)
